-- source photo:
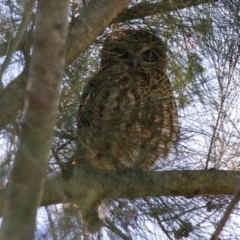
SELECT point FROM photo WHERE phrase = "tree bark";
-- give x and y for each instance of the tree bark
(145, 9)
(29, 171)
(132, 185)
(188, 183)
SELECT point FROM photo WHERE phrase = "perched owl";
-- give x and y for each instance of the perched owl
(127, 115)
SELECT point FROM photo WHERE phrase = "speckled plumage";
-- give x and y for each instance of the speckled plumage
(128, 116)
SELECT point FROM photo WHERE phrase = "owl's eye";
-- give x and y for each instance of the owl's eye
(122, 53)
(150, 56)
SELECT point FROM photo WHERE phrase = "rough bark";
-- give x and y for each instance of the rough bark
(144, 9)
(144, 184)
(136, 184)
(29, 171)
(85, 29)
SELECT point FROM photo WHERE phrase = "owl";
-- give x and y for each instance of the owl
(127, 115)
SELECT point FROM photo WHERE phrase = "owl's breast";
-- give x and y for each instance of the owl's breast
(132, 121)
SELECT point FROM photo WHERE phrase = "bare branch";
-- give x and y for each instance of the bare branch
(15, 42)
(132, 184)
(11, 101)
(87, 27)
(145, 9)
(227, 213)
(4, 47)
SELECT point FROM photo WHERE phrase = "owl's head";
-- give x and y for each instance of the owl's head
(134, 48)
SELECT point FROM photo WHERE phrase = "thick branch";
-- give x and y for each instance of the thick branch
(29, 170)
(164, 183)
(15, 42)
(12, 98)
(91, 23)
(138, 184)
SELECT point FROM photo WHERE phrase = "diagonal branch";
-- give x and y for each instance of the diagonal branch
(28, 8)
(91, 23)
(12, 98)
(145, 9)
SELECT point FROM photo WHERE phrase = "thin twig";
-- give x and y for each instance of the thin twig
(227, 213)
(28, 8)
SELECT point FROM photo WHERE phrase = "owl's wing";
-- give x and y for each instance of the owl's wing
(85, 110)
(89, 207)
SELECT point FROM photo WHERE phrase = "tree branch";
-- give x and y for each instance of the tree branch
(155, 184)
(28, 175)
(132, 185)
(28, 8)
(88, 26)
(137, 184)
(26, 39)
(12, 98)
(145, 9)
(227, 213)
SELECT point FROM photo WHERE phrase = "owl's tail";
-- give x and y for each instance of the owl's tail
(90, 217)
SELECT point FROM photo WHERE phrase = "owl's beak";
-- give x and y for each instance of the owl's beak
(137, 61)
